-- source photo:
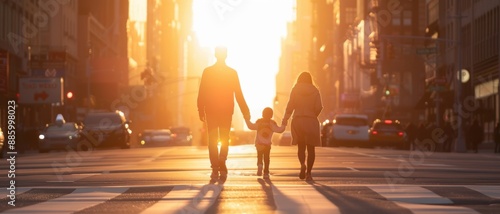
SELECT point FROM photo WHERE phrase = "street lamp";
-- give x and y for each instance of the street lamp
(88, 73)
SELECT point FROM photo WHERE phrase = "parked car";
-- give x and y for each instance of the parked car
(156, 137)
(59, 136)
(107, 129)
(182, 136)
(388, 133)
(325, 130)
(349, 130)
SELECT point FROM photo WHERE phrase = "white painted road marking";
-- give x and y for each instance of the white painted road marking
(75, 201)
(301, 199)
(418, 199)
(187, 199)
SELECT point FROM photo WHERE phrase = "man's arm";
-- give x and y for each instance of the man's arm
(250, 125)
(240, 99)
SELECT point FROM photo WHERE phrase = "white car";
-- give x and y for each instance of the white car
(349, 130)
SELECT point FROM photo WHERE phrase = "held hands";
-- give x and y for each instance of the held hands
(202, 116)
(284, 122)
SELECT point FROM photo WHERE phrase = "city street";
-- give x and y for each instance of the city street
(176, 180)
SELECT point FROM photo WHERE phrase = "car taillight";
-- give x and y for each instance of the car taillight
(374, 132)
(400, 134)
(173, 135)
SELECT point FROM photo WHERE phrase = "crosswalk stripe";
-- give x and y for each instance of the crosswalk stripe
(32, 196)
(425, 209)
(410, 194)
(301, 199)
(490, 191)
(75, 201)
(4, 191)
(187, 199)
(134, 200)
(418, 199)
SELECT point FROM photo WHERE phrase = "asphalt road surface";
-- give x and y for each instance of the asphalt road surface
(176, 180)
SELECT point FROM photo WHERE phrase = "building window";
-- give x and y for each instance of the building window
(2, 20)
(407, 17)
(350, 15)
(396, 19)
(8, 20)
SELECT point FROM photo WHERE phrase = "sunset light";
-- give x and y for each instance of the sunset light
(252, 31)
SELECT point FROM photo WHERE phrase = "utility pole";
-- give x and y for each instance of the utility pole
(460, 144)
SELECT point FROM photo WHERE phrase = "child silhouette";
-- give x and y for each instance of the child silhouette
(265, 128)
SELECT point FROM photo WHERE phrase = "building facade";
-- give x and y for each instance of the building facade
(38, 39)
(469, 30)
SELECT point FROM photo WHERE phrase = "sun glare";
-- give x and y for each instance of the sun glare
(252, 31)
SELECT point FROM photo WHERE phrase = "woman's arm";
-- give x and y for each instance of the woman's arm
(276, 128)
(318, 106)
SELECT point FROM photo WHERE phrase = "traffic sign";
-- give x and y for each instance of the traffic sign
(40, 90)
(424, 51)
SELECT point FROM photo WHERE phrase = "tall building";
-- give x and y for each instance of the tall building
(387, 37)
(295, 53)
(103, 53)
(343, 20)
(168, 36)
(321, 50)
(469, 30)
(38, 39)
(136, 31)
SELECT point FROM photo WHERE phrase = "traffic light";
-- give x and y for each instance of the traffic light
(69, 95)
(387, 91)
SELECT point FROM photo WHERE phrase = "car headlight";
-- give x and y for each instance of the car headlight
(74, 136)
(41, 137)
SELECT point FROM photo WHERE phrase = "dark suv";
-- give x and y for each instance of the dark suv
(107, 129)
(388, 133)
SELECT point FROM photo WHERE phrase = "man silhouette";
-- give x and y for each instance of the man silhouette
(219, 87)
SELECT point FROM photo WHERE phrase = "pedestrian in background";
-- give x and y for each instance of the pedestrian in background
(265, 128)
(450, 136)
(219, 87)
(305, 105)
(420, 136)
(411, 133)
(476, 135)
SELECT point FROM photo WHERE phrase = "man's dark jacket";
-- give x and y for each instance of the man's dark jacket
(218, 88)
